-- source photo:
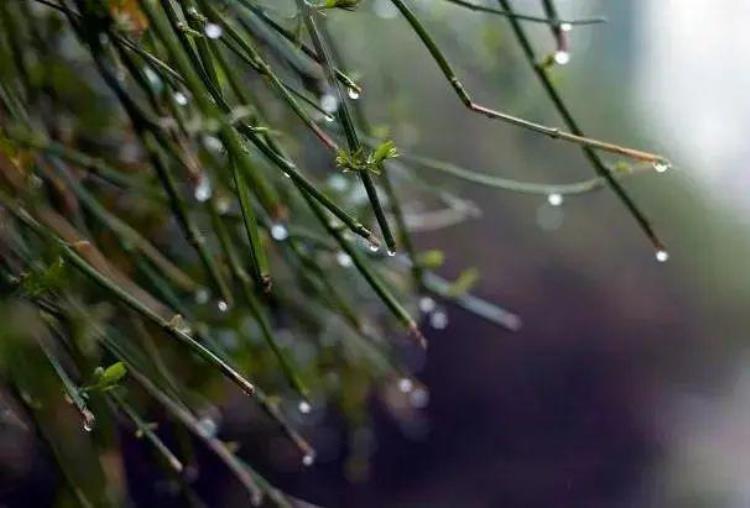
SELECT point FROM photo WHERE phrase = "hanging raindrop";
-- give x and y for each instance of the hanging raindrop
(555, 199)
(343, 259)
(662, 166)
(427, 304)
(279, 232)
(203, 190)
(439, 320)
(405, 385)
(329, 103)
(662, 256)
(89, 420)
(353, 94)
(222, 305)
(562, 57)
(304, 407)
(213, 31)
(309, 459)
(180, 98)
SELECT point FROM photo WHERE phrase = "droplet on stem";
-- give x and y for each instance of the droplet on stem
(405, 385)
(419, 398)
(89, 420)
(555, 199)
(374, 247)
(566, 27)
(309, 459)
(343, 259)
(353, 94)
(304, 407)
(180, 98)
(201, 295)
(662, 166)
(329, 103)
(279, 232)
(213, 31)
(222, 305)
(562, 57)
(662, 256)
(203, 190)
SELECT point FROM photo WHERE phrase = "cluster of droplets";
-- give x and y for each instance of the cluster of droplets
(436, 315)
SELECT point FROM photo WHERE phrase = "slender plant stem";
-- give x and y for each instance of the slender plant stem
(526, 17)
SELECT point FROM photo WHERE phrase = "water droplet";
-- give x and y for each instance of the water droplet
(343, 259)
(390, 253)
(223, 204)
(338, 182)
(222, 305)
(213, 31)
(419, 398)
(213, 143)
(329, 118)
(549, 218)
(207, 427)
(353, 93)
(374, 247)
(439, 320)
(427, 304)
(309, 459)
(662, 166)
(287, 175)
(405, 385)
(89, 420)
(203, 190)
(566, 27)
(202, 295)
(180, 98)
(562, 57)
(304, 407)
(279, 232)
(662, 256)
(555, 199)
(329, 103)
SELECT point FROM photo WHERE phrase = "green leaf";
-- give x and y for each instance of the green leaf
(464, 283)
(431, 259)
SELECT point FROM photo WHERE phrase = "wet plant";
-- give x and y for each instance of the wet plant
(166, 230)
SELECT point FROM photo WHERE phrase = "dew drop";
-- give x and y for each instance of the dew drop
(662, 256)
(566, 27)
(329, 103)
(562, 57)
(304, 407)
(180, 98)
(555, 199)
(213, 31)
(203, 190)
(153, 78)
(279, 232)
(223, 205)
(353, 94)
(343, 259)
(329, 118)
(374, 247)
(405, 385)
(207, 427)
(390, 253)
(222, 305)
(662, 166)
(213, 143)
(439, 320)
(309, 459)
(427, 304)
(89, 420)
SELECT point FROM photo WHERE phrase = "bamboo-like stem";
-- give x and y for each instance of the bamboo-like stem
(466, 99)
(591, 155)
(372, 279)
(526, 17)
(144, 429)
(346, 121)
(171, 328)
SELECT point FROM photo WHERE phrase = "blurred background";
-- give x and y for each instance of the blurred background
(628, 383)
